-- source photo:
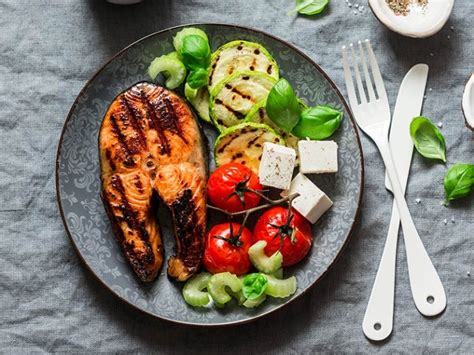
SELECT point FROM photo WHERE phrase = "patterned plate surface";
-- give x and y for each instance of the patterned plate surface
(78, 182)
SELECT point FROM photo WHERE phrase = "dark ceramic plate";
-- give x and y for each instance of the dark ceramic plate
(78, 182)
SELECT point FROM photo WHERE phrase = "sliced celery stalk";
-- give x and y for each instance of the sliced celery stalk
(280, 288)
(239, 296)
(217, 286)
(255, 302)
(278, 274)
(171, 67)
(261, 261)
(193, 290)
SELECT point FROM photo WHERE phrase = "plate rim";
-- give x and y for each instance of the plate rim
(290, 300)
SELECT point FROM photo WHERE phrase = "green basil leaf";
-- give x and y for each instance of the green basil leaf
(195, 52)
(282, 105)
(428, 140)
(310, 7)
(198, 78)
(254, 285)
(459, 181)
(187, 31)
(319, 122)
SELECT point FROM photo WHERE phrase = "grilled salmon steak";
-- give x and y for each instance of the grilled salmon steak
(151, 146)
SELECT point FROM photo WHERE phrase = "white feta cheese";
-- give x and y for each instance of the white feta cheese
(276, 166)
(312, 202)
(317, 157)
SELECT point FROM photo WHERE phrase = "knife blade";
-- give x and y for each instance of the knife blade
(408, 105)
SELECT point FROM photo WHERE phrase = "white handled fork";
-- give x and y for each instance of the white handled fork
(372, 115)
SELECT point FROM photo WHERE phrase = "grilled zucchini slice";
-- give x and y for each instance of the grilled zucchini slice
(235, 96)
(243, 144)
(239, 56)
(199, 98)
(258, 114)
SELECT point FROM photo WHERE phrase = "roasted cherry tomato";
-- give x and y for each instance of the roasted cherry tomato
(230, 187)
(227, 250)
(289, 234)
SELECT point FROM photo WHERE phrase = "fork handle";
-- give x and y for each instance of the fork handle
(426, 287)
(378, 319)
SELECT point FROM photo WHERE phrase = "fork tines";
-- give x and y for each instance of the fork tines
(366, 59)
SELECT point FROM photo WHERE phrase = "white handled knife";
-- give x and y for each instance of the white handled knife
(408, 106)
(378, 320)
(426, 287)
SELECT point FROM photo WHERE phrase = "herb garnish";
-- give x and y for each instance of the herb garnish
(459, 181)
(254, 285)
(282, 105)
(197, 78)
(309, 7)
(428, 140)
(319, 122)
(195, 52)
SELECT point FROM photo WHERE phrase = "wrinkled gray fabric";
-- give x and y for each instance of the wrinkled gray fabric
(49, 302)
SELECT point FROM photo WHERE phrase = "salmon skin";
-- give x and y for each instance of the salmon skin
(152, 151)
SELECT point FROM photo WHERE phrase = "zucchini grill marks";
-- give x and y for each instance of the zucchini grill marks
(150, 144)
(241, 74)
(258, 114)
(234, 97)
(240, 56)
(243, 144)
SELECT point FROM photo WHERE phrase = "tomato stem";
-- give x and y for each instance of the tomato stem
(249, 211)
(284, 230)
(258, 193)
(233, 239)
(240, 189)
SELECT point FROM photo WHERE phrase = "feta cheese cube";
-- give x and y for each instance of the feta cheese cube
(312, 202)
(276, 166)
(317, 157)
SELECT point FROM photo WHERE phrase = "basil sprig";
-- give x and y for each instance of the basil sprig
(310, 7)
(254, 285)
(196, 55)
(318, 122)
(428, 140)
(285, 109)
(195, 52)
(197, 78)
(282, 105)
(459, 181)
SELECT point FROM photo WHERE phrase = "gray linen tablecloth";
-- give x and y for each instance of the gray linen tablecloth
(50, 303)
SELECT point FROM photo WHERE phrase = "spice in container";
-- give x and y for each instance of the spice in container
(413, 18)
(402, 7)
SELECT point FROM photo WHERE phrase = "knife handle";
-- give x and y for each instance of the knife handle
(426, 287)
(378, 319)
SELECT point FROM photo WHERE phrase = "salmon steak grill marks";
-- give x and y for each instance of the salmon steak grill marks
(152, 151)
